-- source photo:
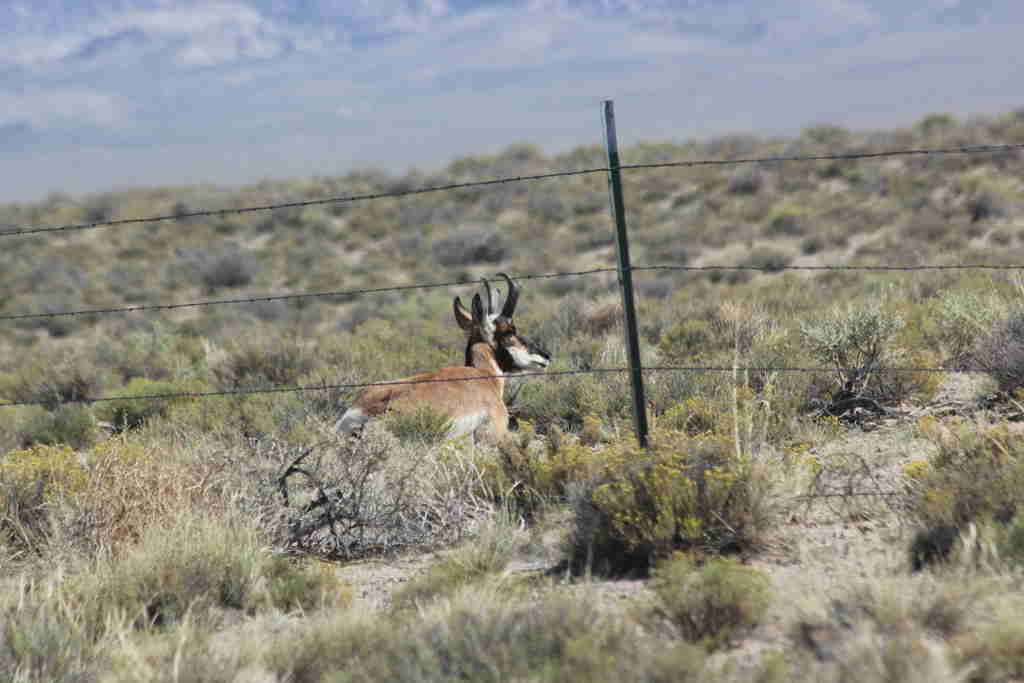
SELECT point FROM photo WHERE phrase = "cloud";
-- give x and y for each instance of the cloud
(62, 107)
(398, 82)
(188, 35)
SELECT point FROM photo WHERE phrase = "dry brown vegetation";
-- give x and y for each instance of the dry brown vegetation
(855, 524)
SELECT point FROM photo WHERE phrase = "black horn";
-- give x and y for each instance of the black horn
(509, 308)
(489, 296)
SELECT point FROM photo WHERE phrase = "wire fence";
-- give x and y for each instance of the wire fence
(351, 386)
(852, 156)
(31, 230)
(286, 297)
(350, 293)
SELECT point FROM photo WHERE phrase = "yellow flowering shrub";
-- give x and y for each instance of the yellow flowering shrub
(55, 470)
(685, 492)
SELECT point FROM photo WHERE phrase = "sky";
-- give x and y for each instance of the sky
(102, 95)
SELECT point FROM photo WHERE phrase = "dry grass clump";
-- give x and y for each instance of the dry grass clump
(487, 554)
(348, 498)
(976, 476)
(264, 361)
(476, 635)
(1000, 352)
(196, 568)
(959, 625)
(57, 499)
(711, 604)
(963, 318)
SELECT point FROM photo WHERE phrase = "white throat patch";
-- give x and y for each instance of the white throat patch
(524, 359)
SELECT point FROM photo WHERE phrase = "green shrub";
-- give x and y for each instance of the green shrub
(565, 401)
(218, 268)
(746, 181)
(976, 475)
(694, 416)
(856, 342)
(786, 219)
(683, 493)
(260, 415)
(768, 259)
(711, 604)
(812, 244)
(530, 474)
(1000, 353)
(54, 381)
(936, 123)
(469, 246)
(688, 339)
(129, 413)
(58, 326)
(71, 424)
(155, 352)
(264, 361)
(1011, 544)
(963, 318)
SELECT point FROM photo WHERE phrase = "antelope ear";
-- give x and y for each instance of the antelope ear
(463, 317)
(478, 309)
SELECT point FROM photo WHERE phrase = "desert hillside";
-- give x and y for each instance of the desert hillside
(835, 354)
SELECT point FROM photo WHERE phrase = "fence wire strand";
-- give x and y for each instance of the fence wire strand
(964, 149)
(287, 297)
(896, 268)
(296, 204)
(458, 283)
(544, 374)
(850, 156)
(298, 389)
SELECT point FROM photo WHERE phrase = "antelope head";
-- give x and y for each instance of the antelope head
(491, 322)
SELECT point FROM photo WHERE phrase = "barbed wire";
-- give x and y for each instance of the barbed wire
(965, 149)
(286, 297)
(542, 374)
(896, 268)
(296, 204)
(849, 156)
(802, 369)
(297, 389)
(457, 283)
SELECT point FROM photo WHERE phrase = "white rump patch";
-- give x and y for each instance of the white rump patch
(467, 424)
(353, 419)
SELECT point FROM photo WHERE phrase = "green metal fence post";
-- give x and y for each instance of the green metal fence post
(625, 275)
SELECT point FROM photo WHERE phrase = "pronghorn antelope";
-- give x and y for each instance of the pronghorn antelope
(493, 350)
